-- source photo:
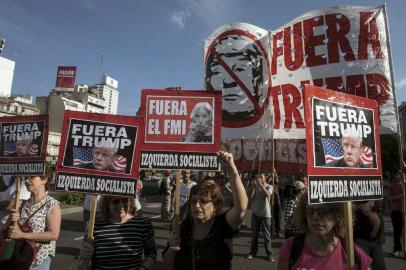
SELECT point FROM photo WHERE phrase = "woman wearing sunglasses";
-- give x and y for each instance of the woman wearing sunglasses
(321, 245)
(207, 228)
(120, 237)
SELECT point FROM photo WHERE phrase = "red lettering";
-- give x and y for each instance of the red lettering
(337, 38)
(297, 47)
(368, 34)
(312, 41)
(275, 92)
(355, 85)
(335, 83)
(378, 88)
(277, 51)
(318, 82)
(291, 102)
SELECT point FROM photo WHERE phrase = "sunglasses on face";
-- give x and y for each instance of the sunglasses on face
(116, 202)
(322, 212)
(201, 201)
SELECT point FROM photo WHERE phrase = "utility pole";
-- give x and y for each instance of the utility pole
(2, 44)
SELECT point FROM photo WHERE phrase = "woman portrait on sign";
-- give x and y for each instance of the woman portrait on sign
(321, 244)
(201, 125)
(206, 229)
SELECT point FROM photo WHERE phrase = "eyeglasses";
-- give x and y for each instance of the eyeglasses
(322, 212)
(201, 201)
(116, 202)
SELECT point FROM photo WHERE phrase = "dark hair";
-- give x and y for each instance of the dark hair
(212, 189)
(336, 210)
(105, 206)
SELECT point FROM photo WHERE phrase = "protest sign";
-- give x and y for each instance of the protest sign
(341, 48)
(343, 146)
(182, 129)
(23, 144)
(99, 153)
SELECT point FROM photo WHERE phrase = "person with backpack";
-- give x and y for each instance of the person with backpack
(321, 245)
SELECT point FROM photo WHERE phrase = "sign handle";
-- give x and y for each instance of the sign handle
(17, 197)
(349, 239)
(176, 229)
(86, 264)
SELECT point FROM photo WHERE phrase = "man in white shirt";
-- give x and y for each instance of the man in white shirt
(185, 187)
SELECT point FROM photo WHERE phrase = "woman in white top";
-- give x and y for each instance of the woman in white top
(43, 215)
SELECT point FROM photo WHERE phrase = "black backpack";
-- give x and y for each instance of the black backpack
(297, 246)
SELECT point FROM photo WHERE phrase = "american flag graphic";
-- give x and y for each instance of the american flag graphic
(33, 150)
(82, 156)
(120, 164)
(332, 149)
(367, 156)
(9, 147)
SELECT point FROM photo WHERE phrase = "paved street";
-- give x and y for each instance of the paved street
(71, 238)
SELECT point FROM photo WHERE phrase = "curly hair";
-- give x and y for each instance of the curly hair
(105, 206)
(212, 190)
(336, 210)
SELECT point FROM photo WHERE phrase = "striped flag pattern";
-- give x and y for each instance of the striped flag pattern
(120, 164)
(33, 150)
(367, 156)
(9, 147)
(332, 149)
(82, 156)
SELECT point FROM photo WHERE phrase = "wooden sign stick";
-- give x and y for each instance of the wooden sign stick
(176, 229)
(349, 239)
(85, 264)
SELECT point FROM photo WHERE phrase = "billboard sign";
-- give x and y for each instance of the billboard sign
(65, 79)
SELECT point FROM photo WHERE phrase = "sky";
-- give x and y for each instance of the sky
(146, 44)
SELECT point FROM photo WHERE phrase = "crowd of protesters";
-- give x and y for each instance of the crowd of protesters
(213, 206)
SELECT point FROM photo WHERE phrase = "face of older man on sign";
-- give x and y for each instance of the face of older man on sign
(23, 147)
(243, 57)
(103, 158)
(352, 147)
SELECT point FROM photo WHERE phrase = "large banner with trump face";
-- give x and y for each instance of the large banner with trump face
(23, 144)
(343, 146)
(182, 129)
(99, 153)
(262, 75)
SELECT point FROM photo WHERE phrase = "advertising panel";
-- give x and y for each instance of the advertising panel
(65, 79)
(23, 144)
(343, 146)
(99, 153)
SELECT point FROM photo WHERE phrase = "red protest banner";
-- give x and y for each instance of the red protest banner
(23, 144)
(343, 146)
(99, 153)
(179, 124)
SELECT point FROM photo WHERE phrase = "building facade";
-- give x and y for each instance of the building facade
(12, 106)
(6, 76)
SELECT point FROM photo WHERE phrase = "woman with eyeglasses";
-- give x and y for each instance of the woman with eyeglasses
(204, 233)
(120, 237)
(321, 246)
